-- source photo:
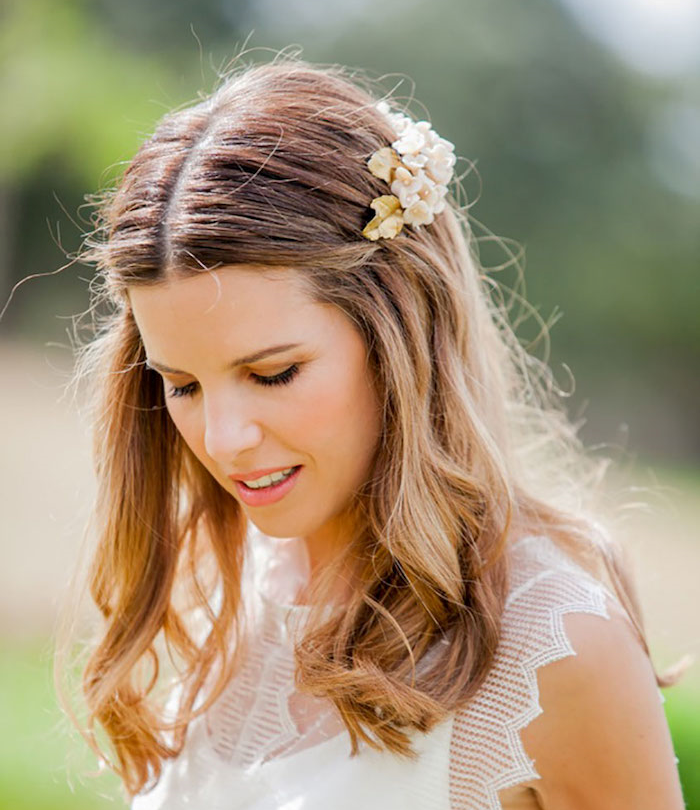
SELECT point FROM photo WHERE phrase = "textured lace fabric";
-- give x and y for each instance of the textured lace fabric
(264, 746)
(486, 753)
(261, 716)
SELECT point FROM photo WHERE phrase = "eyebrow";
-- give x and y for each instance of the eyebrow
(242, 361)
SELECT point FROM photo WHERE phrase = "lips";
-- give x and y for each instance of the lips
(254, 475)
(266, 496)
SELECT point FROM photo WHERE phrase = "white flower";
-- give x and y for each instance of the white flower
(400, 123)
(445, 143)
(441, 173)
(415, 162)
(440, 162)
(412, 140)
(418, 168)
(428, 193)
(406, 184)
(418, 214)
(426, 131)
(439, 206)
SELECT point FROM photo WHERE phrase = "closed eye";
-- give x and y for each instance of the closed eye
(282, 378)
(184, 391)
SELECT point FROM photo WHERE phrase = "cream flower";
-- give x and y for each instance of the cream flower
(383, 162)
(388, 220)
(418, 166)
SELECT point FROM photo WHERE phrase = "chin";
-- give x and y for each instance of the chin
(281, 527)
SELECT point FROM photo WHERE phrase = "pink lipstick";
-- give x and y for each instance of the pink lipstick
(266, 495)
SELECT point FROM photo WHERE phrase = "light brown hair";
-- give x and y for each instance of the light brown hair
(271, 170)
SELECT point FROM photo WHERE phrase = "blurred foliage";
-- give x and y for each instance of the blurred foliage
(562, 134)
(73, 96)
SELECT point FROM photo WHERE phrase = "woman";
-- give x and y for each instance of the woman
(344, 555)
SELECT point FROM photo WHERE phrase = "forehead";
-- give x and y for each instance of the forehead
(234, 295)
(231, 307)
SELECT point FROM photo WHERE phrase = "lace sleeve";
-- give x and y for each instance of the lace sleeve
(486, 752)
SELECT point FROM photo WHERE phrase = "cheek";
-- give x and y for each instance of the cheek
(188, 426)
(343, 417)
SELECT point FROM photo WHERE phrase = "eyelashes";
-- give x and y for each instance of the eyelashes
(183, 391)
(282, 378)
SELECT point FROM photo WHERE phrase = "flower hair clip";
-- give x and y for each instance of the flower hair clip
(418, 166)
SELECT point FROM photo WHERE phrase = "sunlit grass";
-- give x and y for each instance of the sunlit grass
(38, 754)
(683, 714)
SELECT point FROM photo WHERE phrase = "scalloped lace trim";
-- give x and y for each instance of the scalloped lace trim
(487, 754)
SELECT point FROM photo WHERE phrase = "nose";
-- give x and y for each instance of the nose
(230, 429)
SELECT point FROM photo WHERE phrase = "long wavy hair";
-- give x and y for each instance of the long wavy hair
(270, 170)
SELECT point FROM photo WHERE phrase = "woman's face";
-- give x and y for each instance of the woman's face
(311, 404)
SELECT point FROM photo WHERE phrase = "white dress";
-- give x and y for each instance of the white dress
(264, 746)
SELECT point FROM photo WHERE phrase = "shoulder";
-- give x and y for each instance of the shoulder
(570, 687)
(602, 739)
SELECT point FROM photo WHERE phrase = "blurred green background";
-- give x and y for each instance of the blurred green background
(583, 120)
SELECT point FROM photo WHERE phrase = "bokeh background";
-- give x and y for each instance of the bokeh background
(582, 118)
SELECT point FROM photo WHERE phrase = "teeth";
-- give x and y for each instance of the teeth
(266, 480)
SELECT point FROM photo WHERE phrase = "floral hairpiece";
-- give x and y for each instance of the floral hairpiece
(418, 166)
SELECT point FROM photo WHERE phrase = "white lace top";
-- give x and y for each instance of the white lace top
(264, 746)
